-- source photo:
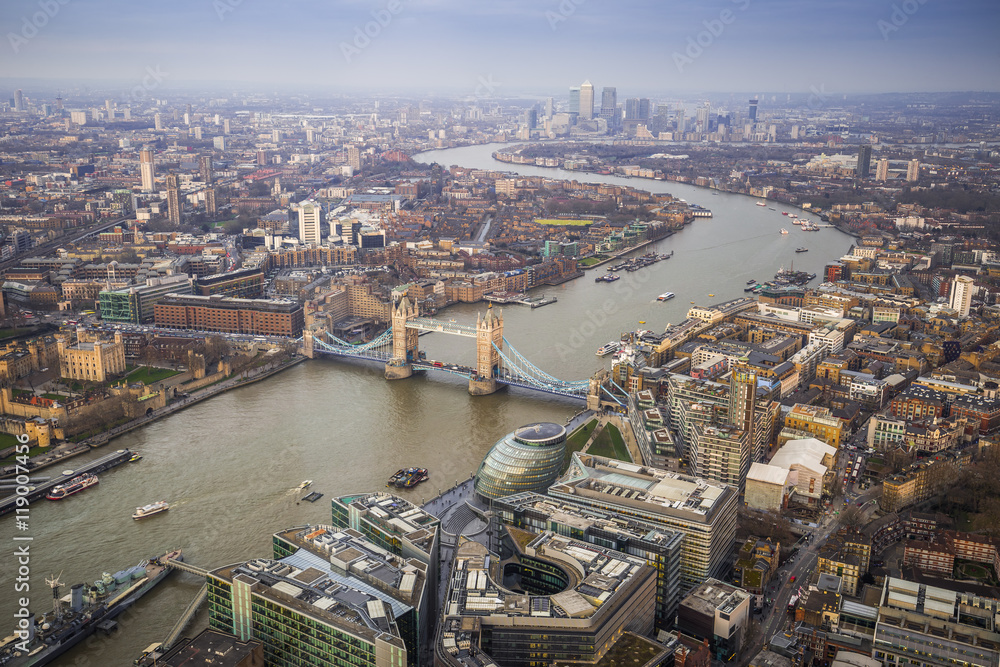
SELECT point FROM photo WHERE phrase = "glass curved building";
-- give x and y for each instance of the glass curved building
(529, 459)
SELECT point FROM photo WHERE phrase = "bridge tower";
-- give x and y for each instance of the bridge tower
(404, 341)
(307, 350)
(489, 331)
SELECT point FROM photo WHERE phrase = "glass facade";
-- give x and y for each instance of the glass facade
(529, 459)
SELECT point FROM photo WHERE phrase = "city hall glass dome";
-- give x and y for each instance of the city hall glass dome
(529, 459)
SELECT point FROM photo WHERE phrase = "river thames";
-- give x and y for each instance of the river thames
(228, 465)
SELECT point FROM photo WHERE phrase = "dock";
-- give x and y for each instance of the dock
(313, 497)
(106, 462)
(520, 298)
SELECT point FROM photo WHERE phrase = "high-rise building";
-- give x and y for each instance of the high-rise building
(157, 122)
(864, 161)
(109, 106)
(753, 110)
(211, 207)
(205, 166)
(661, 547)
(961, 294)
(219, 143)
(704, 511)
(913, 171)
(586, 100)
(609, 106)
(574, 100)
(354, 158)
(310, 223)
(174, 198)
(637, 108)
(550, 105)
(18, 100)
(702, 118)
(882, 170)
(531, 118)
(147, 169)
(225, 126)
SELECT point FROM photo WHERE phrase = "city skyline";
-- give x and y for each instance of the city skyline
(437, 45)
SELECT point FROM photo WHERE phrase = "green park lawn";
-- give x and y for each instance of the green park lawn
(610, 444)
(150, 375)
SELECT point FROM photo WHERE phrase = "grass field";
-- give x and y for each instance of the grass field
(577, 439)
(568, 222)
(589, 261)
(10, 333)
(149, 375)
(610, 444)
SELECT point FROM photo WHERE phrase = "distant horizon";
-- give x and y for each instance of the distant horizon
(229, 88)
(483, 48)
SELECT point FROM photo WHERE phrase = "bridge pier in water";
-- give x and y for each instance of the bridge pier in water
(404, 341)
(489, 342)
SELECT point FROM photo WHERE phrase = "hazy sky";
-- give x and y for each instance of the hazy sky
(504, 47)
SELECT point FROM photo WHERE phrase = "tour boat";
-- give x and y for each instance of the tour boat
(75, 485)
(605, 350)
(151, 509)
(666, 296)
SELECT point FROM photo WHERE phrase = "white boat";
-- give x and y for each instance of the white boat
(760, 203)
(605, 350)
(666, 296)
(151, 509)
(306, 484)
(784, 231)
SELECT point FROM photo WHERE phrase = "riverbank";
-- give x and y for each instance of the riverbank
(69, 450)
(665, 179)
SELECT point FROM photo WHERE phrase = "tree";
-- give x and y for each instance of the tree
(149, 355)
(853, 517)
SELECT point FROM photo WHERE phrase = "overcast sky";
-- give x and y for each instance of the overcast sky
(505, 47)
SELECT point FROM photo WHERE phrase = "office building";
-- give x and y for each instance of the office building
(579, 601)
(174, 198)
(529, 459)
(637, 108)
(305, 612)
(660, 547)
(550, 104)
(716, 612)
(929, 626)
(18, 100)
(210, 648)
(609, 106)
(392, 523)
(531, 118)
(243, 283)
(864, 161)
(135, 303)
(255, 317)
(360, 563)
(753, 110)
(704, 511)
(310, 223)
(574, 100)
(960, 298)
(913, 170)
(147, 169)
(586, 101)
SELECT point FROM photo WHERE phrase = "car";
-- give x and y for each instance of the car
(791, 579)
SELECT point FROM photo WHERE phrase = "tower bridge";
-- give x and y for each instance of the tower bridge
(498, 363)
